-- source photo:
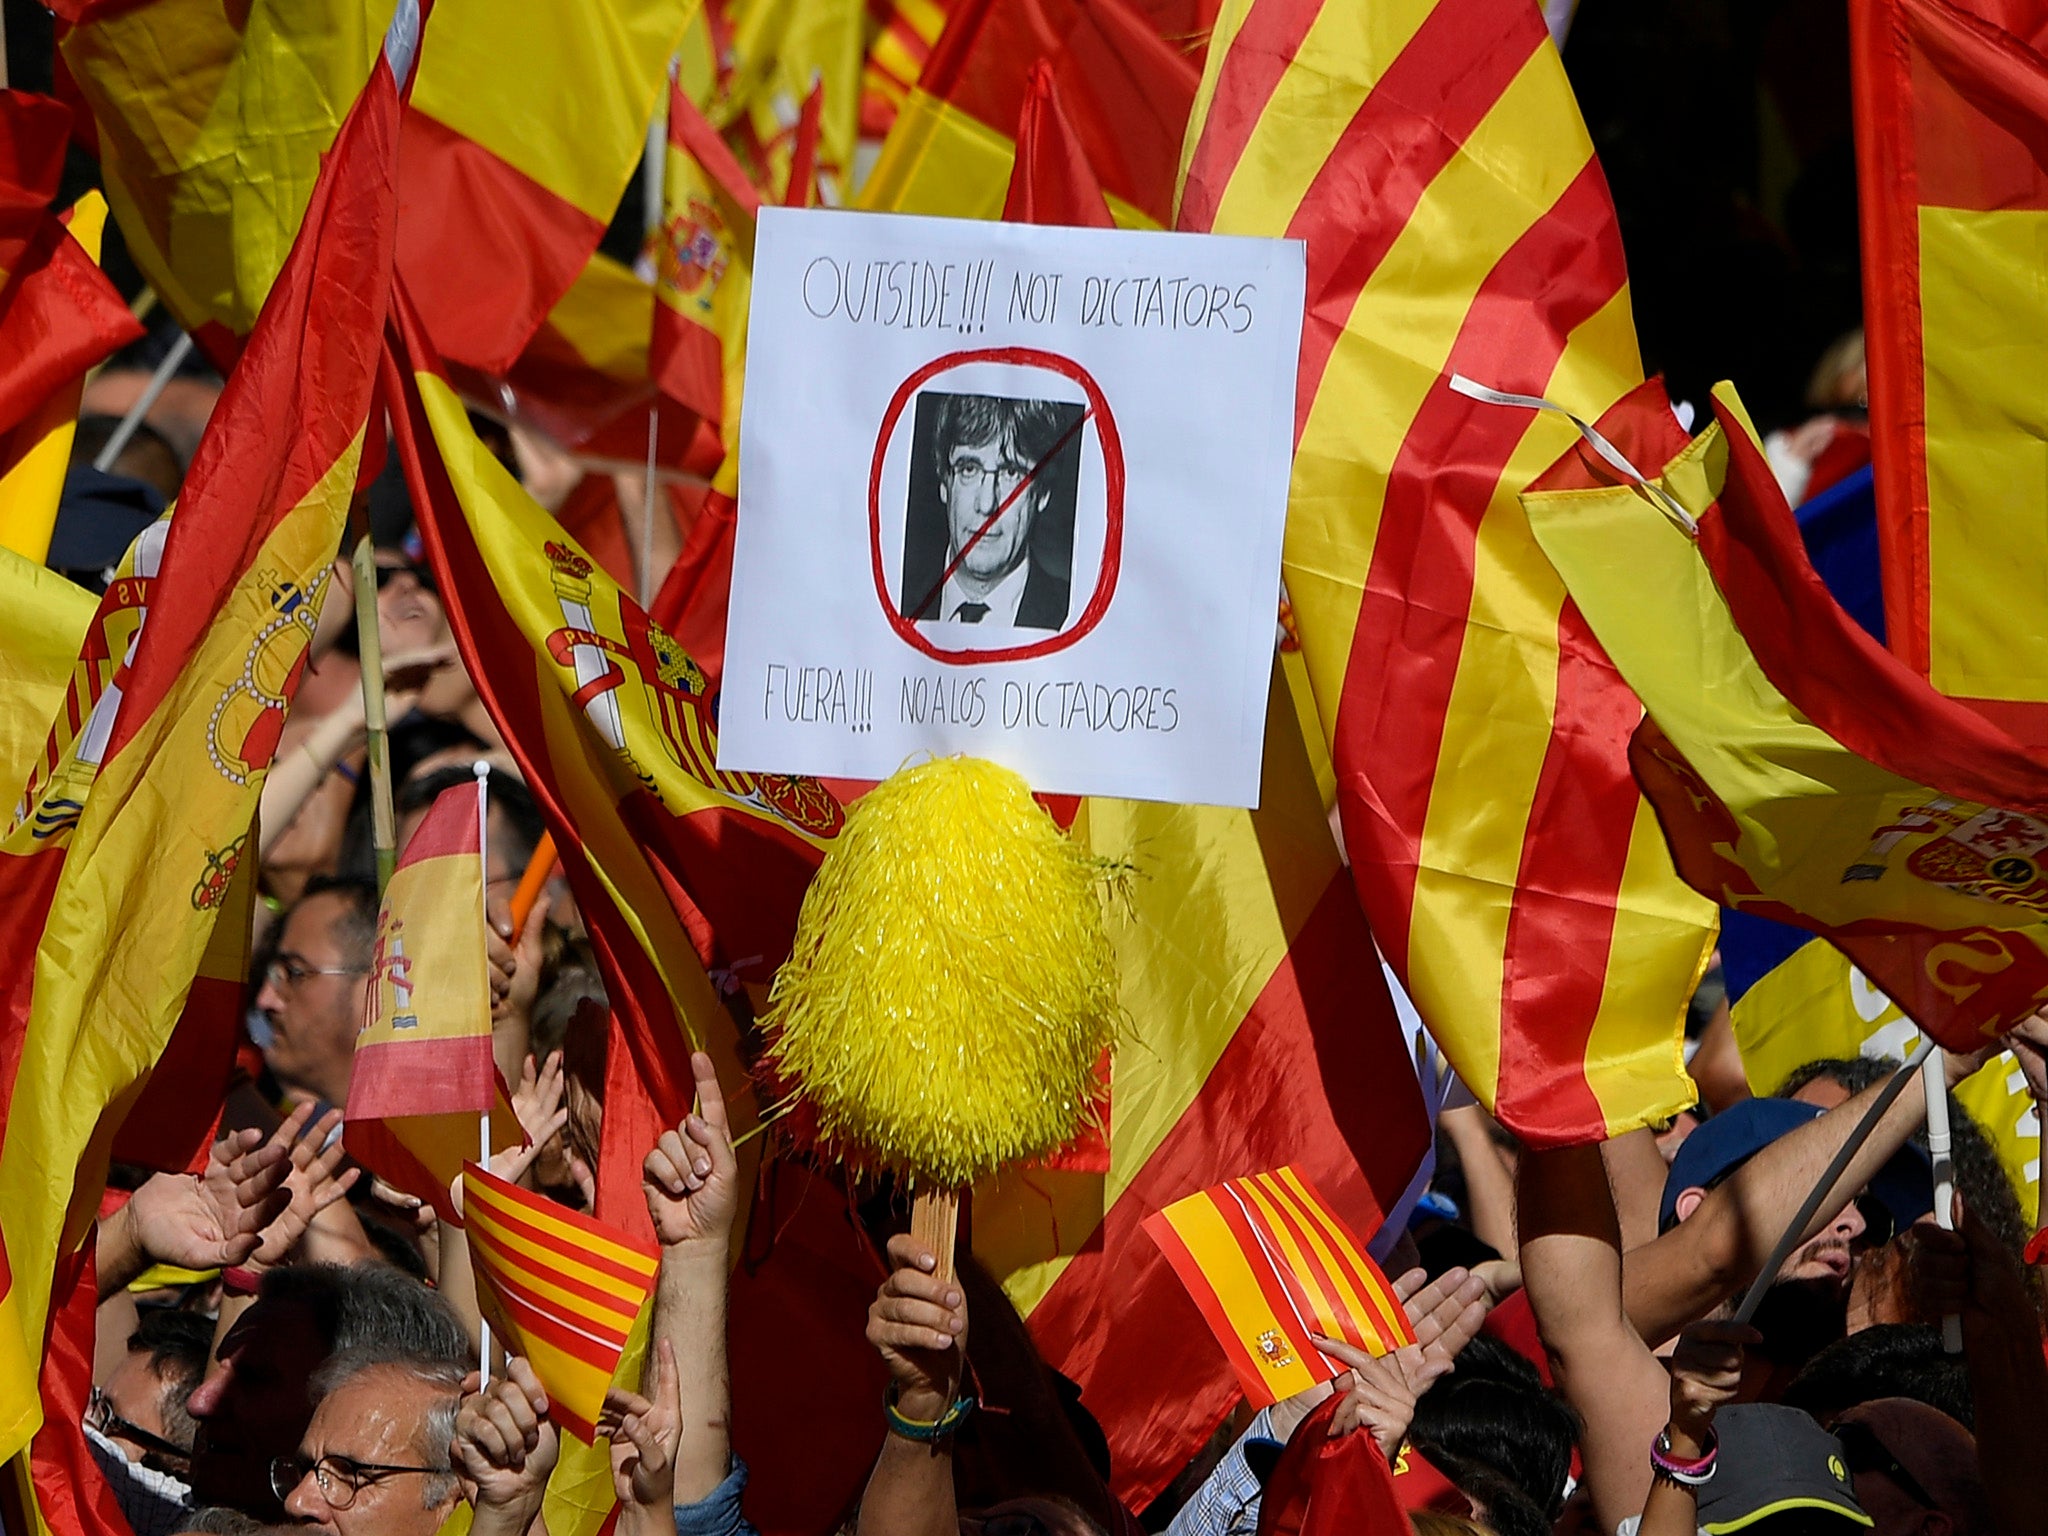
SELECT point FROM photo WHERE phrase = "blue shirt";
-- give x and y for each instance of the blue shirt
(718, 1512)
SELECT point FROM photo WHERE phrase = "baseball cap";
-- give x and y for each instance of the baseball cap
(1929, 1455)
(1724, 1143)
(1774, 1459)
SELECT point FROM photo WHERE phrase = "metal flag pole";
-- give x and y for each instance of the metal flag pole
(165, 370)
(1934, 1079)
(1824, 1187)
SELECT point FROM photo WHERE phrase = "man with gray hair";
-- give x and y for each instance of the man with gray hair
(254, 1405)
(374, 1461)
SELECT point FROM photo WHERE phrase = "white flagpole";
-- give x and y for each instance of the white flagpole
(1934, 1078)
(483, 1121)
(173, 360)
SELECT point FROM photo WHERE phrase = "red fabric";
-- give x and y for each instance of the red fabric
(692, 601)
(1847, 451)
(72, 1494)
(1052, 181)
(1326, 1487)
(1128, 89)
(461, 204)
(59, 314)
(1316, 1075)
(1514, 1324)
(1951, 111)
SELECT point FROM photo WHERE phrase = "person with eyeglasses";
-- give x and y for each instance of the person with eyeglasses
(993, 482)
(314, 987)
(376, 1458)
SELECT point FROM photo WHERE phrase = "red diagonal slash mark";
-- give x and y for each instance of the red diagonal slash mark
(1008, 502)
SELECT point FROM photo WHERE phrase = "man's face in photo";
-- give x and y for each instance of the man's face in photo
(978, 478)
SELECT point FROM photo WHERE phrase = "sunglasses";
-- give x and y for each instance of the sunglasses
(386, 574)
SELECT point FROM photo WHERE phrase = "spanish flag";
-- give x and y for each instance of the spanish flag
(1432, 156)
(1812, 1002)
(423, 1071)
(111, 879)
(1128, 90)
(1270, 1263)
(1800, 770)
(703, 266)
(44, 620)
(1952, 166)
(675, 865)
(563, 1288)
(525, 126)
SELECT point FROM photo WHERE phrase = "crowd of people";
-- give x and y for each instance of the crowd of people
(283, 1339)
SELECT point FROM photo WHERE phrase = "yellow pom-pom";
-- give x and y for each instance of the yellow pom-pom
(951, 987)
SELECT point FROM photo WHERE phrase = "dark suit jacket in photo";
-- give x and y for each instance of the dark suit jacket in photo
(1043, 606)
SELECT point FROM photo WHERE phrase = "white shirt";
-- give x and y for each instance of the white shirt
(1003, 602)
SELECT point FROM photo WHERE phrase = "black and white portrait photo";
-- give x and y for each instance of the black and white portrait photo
(989, 526)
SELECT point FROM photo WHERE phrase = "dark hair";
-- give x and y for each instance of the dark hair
(370, 1305)
(1852, 1073)
(357, 928)
(1493, 1411)
(177, 1344)
(1509, 1509)
(1980, 1174)
(1030, 429)
(509, 798)
(1886, 1360)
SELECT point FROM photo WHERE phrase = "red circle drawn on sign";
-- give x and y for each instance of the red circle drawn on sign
(1113, 481)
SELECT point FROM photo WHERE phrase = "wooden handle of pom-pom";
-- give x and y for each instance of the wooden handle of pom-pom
(935, 1222)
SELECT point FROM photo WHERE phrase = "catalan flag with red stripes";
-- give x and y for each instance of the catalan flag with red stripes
(423, 1073)
(1270, 1263)
(563, 1287)
(1952, 166)
(117, 870)
(1432, 156)
(525, 126)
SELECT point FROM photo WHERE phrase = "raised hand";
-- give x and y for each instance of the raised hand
(505, 1447)
(1706, 1374)
(215, 1221)
(316, 1180)
(537, 1101)
(645, 1432)
(918, 1324)
(692, 1177)
(1379, 1392)
(1445, 1313)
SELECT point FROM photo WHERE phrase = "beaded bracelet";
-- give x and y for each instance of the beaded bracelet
(1687, 1474)
(926, 1429)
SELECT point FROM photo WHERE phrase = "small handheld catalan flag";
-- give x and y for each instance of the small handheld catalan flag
(1269, 1263)
(562, 1288)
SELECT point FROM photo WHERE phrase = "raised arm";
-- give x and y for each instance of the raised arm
(1719, 1249)
(691, 1180)
(919, 1326)
(1571, 1268)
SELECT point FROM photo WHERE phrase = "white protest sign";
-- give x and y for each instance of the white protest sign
(1011, 491)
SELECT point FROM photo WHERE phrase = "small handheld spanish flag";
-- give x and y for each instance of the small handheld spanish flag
(562, 1288)
(423, 1069)
(1269, 1263)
